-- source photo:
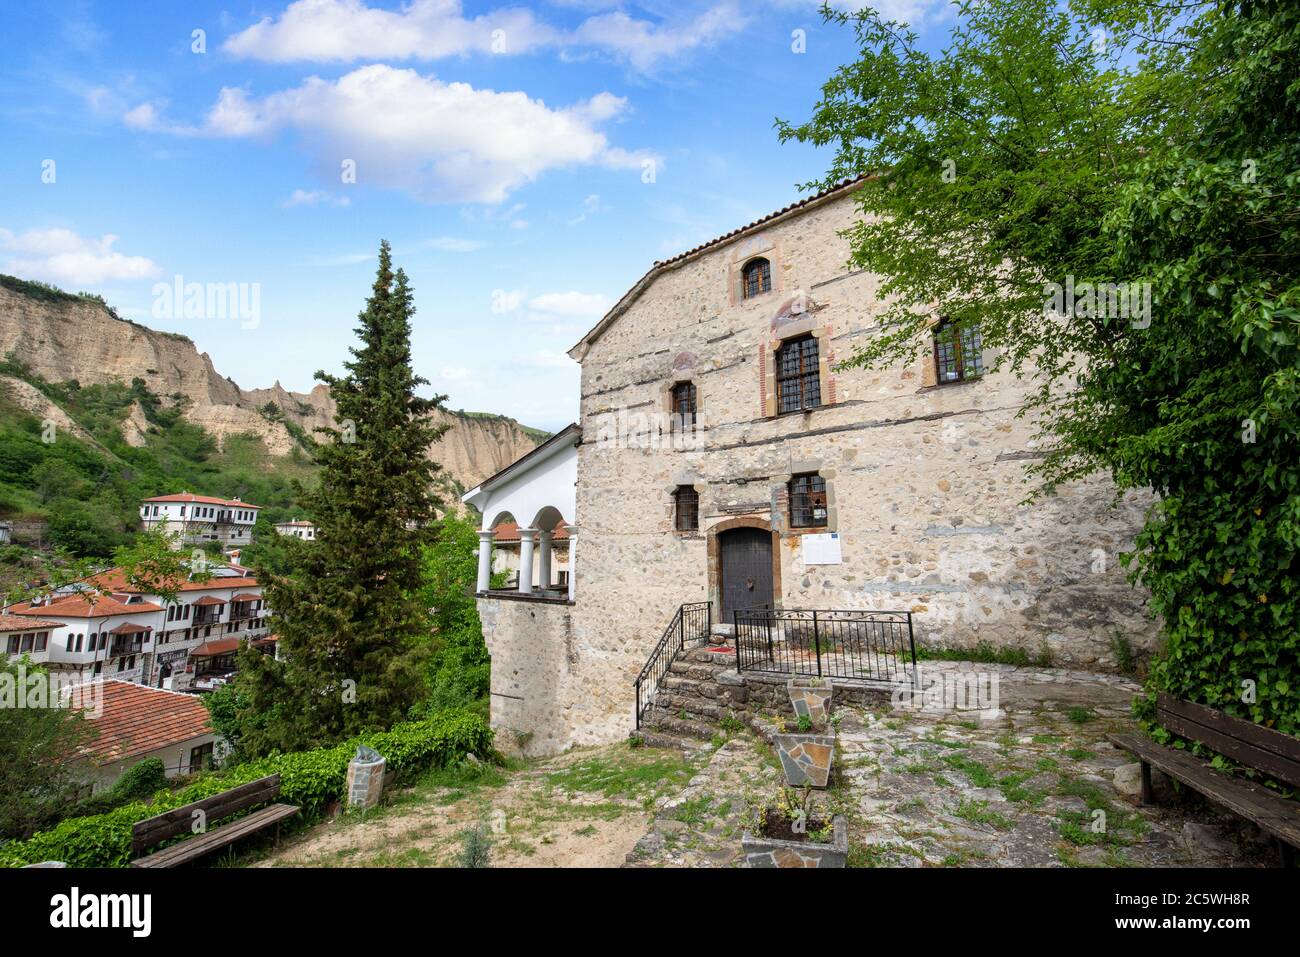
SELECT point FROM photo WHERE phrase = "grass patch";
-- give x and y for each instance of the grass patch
(1080, 715)
(977, 812)
(630, 776)
(976, 773)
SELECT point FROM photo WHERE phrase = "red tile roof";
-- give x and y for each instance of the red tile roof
(217, 646)
(247, 596)
(24, 623)
(210, 600)
(129, 628)
(137, 720)
(509, 532)
(201, 500)
(114, 580)
(80, 606)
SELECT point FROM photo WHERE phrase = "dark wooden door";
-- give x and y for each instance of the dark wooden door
(746, 560)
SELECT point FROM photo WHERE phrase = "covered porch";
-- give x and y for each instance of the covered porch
(537, 494)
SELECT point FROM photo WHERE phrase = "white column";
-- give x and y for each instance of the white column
(485, 559)
(544, 561)
(527, 539)
(572, 531)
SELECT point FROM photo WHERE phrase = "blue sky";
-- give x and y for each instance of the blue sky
(502, 149)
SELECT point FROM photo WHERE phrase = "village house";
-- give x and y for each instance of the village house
(199, 519)
(723, 460)
(131, 723)
(297, 529)
(107, 628)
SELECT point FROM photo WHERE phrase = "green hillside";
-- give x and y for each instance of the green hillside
(90, 491)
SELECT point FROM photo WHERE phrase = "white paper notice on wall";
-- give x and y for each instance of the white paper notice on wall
(822, 549)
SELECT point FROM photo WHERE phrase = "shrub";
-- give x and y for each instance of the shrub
(141, 781)
(309, 779)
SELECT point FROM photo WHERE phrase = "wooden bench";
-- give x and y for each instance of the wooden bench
(1271, 752)
(151, 832)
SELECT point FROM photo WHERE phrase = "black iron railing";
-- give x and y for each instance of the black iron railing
(848, 645)
(690, 623)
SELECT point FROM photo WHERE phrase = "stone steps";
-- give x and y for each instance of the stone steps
(690, 687)
(661, 720)
(651, 738)
(692, 704)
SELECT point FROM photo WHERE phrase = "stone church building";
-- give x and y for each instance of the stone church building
(722, 458)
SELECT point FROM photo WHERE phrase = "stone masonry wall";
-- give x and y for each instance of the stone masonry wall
(924, 483)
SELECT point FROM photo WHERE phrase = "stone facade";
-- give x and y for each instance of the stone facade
(924, 482)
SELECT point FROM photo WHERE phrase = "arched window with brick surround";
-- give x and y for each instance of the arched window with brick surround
(756, 278)
(957, 352)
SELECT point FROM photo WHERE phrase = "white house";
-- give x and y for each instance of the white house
(297, 529)
(109, 628)
(197, 519)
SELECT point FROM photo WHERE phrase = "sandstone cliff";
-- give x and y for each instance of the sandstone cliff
(62, 337)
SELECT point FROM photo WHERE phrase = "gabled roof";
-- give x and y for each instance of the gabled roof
(569, 435)
(24, 623)
(129, 628)
(114, 580)
(217, 646)
(210, 600)
(187, 497)
(661, 266)
(80, 606)
(136, 720)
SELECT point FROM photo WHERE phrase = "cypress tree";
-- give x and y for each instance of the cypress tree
(353, 636)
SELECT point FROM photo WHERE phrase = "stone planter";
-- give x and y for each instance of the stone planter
(770, 852)
(806, 758)
(811, 697)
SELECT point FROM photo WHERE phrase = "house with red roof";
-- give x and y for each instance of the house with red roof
(106, 627)
(200, 519)
(131, 722)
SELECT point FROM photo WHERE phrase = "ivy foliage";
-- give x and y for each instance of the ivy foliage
(1113, 141)
(310, 779)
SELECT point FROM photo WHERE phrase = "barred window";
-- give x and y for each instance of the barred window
(757, 276)
(687, 506)
(957, 353)
(798, 385)
(683, 400)
(808, 501)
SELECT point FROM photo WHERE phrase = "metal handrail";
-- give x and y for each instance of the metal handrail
(847, 644)
(671, 643)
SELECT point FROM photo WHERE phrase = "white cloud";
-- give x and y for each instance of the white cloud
(314, 197)
(349, 30)
(453, 244)
(645, 44)
(568, 305)
(454, 373)
(61, 256)
(546, 359)
(437, 141)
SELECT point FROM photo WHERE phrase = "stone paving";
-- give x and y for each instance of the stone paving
(1032, 784)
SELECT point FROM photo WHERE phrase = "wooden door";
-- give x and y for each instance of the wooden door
(746, 564)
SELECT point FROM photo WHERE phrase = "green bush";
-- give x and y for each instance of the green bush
(309, 779)
(141, 781)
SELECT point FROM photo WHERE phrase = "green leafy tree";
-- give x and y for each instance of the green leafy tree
(1119, 142)
(38, 782)
(353, 634)
(459, 669)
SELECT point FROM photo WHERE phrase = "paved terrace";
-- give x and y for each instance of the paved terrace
(1018, 787)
